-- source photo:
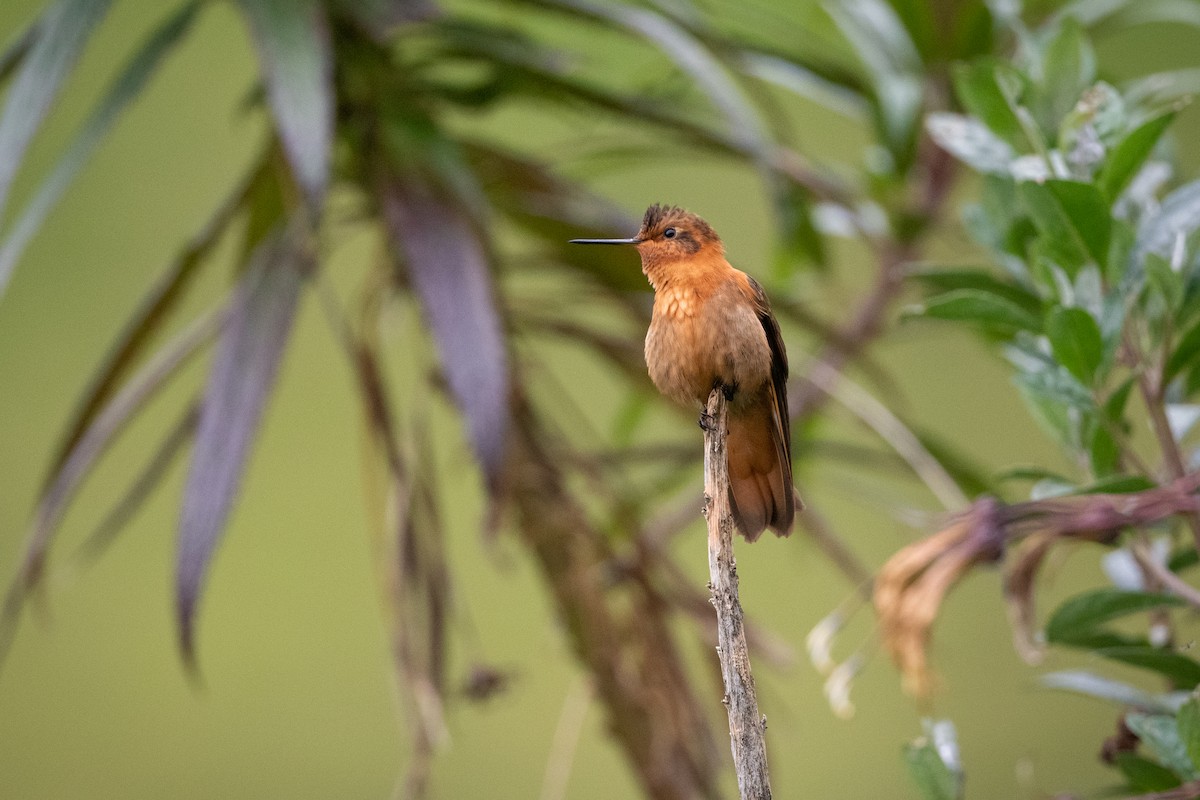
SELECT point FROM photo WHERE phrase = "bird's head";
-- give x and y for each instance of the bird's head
(669, 234)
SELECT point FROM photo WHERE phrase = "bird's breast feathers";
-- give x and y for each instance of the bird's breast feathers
(705, 334)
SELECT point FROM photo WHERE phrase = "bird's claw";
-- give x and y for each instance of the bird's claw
(707, 422)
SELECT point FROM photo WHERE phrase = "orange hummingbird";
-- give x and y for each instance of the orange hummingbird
(712, 326)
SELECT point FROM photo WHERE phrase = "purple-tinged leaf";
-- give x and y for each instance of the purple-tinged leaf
(449, 271)
(155, 309)
(242, 375)
(293, 43)
(103, 429)
(124, 89)
(59, 39)
(88, 448)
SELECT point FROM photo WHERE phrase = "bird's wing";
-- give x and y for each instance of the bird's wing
(779, 367)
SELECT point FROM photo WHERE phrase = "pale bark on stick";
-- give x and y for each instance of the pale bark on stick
(746, 726)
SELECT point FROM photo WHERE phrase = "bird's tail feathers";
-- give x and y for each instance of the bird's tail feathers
(760, 474)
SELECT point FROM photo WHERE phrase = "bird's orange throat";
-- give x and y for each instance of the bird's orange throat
(698, 273)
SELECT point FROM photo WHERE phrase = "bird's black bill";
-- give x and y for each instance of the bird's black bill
(605, 241)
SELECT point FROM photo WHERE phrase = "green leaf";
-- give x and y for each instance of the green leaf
(1031, 474)
(1183, 558)
(1130, 154)
(971, 142)
(1188, 722)
(93, 441)
(1091, 685)
(1082, 614)
(798, 236)
(1178, 668)
(239, 383)
(946, 280)
(841, 96)
(377, 18)
(881, 42)
(1166, 281)
(1045, 377)
(1118, 484)
(61, 33)
(1088, 213)
(1075, 341)
(980, 307)
(934, 779)
(292, 39)
(1068, 67)
(743, 123)
(1185, 353)
(1074, 220)
(1161, 736)
(1103, 453)
(1143, 774)
(986, 89)
(917, 18)
(125, 88)
(1178, 215)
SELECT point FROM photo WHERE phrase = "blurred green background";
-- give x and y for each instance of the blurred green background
(297, 697)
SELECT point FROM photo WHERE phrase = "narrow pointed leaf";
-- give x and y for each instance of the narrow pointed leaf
(980, 307)
(1083, 613)
(61, 34)
(881, 42)
(1179, 215)
(1182, 671)
(1160, 734)
(1073, 218)
(934, 779)
(16, 50)
(1075, 341)
(152, 314)
(125, 88)
(948, 279)
(1188, 723)
(378, 17)
(1118, 692)
(449, 271)
(742, 120)
(971, 142)
(1186, 352)
(1131, 153)
(92, 443)
(293, 42)
(1143, 774)
(242, 375)
(981, 88)
(142, 487)
(799, 78)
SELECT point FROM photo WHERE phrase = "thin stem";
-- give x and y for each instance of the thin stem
(1152, 395)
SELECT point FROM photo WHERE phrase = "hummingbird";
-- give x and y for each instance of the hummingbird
(712, 327)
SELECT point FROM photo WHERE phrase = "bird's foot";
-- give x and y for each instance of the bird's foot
(707, 422)
(727, 389)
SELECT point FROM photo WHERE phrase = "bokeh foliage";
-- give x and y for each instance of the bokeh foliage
(1091, 298)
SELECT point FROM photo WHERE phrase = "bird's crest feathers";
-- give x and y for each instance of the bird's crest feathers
(660, 217)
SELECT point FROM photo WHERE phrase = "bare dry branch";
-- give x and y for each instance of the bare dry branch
(911, 585)
(746, 726)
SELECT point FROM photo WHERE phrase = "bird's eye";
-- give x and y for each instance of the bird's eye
(669, 233)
